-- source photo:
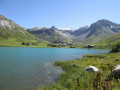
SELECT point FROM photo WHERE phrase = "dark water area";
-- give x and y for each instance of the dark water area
(23, 68)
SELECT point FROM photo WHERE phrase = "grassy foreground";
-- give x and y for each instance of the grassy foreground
(76, 78)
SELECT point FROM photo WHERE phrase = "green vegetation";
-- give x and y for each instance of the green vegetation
(112, 39)
(11, 41)
(116, 47)
(75, 77)
(16, 36)
(109, 42)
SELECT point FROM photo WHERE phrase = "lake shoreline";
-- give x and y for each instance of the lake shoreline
(78, 66)
(53, 47)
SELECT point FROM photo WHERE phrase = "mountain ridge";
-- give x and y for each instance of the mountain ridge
(50, 34)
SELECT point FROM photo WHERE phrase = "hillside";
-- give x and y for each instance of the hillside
(12, 34)
(111, 40)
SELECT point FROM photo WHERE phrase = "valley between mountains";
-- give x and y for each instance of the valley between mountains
(102, 33)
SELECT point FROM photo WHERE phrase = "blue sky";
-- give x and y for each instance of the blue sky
(60, 13)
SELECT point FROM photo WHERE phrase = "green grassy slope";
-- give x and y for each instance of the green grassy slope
(112, 39)
(16, 38)
(107, 42)
(12, 34)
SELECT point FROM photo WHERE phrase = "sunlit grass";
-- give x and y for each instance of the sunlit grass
(75, 77)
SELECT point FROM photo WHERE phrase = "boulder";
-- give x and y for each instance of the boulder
(115, 74)
(91, 68)
(116, 67)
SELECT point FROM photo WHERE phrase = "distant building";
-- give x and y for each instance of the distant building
(23, 43)
(89, 46)
(72, 46)
(28, 44)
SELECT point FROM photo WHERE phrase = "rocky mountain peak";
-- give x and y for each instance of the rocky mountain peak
(53, 28)
(104, 23)
(7, 23)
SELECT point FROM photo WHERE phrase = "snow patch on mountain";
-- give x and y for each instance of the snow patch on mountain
(65, 29)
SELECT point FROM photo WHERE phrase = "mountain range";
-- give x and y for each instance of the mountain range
(11, 34)
(88, 34)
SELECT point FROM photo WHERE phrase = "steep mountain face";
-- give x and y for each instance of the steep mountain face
(11, 33)
(80, 31)
(50, 34)
(97, 31)
(103, 26)
(80, 34)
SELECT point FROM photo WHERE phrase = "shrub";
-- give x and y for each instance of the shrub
(116, 48)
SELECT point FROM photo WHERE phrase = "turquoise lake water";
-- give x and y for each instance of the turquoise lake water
(22, 68)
